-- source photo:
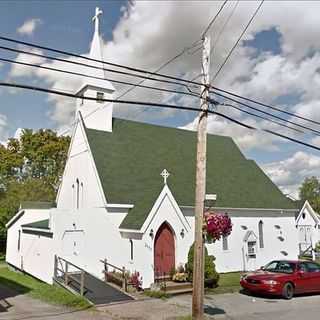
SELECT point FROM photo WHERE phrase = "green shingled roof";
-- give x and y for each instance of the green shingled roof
(130, 159)
(42, 224)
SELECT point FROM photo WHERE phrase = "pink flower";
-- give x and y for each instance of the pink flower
(216, 225)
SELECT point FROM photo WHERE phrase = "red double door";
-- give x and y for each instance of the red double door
(164, 251)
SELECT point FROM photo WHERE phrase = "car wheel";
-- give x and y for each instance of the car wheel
(288, 291)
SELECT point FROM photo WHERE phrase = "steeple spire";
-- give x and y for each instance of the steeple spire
(94, 115)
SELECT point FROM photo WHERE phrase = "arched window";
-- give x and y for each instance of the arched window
(225, 245)
(19, 240)
(82, 195)
(260, 226)
(78, 191)
(73, 196)
(131, 249)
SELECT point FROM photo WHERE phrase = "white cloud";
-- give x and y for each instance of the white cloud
(289, 173)
(146, 36)
(23, 71)
(29, 26)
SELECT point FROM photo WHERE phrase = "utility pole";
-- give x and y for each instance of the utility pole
(198, 263)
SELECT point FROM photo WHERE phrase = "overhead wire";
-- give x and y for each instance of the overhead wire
(317, 132)
(255, 115)
(216, 40)
(165, 64)
(263, 104)
(238, 40)
(212, 21)
(158, 105)
(95, 67)
(102, 61)
(95, 77)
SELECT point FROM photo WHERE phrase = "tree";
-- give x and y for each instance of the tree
(310, 190)
(30, 169)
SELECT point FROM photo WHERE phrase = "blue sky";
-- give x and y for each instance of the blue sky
(65, 25)
(273, 64)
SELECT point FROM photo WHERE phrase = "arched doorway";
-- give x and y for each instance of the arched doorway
(164, 251)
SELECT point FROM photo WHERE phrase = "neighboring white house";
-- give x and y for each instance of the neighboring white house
(117, 202)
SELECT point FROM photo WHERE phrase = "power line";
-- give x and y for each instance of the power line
(101, 61)
(95, 77)
(255, 115)
(268, 113)
(264, 105)
(71, 95)
(236, 43)
(224, 26)
(266, 130)
(158, 105)
(213, 20)
(186, 49)
(95, 67)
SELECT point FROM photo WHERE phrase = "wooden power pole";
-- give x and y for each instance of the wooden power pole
(198, 263)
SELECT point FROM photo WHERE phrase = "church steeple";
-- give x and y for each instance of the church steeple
(96, 115)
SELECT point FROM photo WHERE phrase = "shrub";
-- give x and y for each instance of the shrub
(211, 276)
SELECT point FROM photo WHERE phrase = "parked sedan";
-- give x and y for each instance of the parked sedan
(284, 278)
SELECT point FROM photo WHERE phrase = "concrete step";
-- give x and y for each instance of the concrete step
(172, 286)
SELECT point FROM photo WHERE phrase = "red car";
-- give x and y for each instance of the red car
(284, 278)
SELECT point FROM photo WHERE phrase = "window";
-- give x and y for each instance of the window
(312, 267)
(252, 249)
(225, 243)
(100, 97)
(131, 249)
(280, 266)
(78, 191)
(81, 184)
(19, 240)
(260, 226)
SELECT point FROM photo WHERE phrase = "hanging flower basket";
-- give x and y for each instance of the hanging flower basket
(216, 225)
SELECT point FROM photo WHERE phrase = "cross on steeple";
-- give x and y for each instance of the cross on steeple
(165, 175)
(96, 19)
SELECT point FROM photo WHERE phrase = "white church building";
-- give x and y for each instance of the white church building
(127, 195)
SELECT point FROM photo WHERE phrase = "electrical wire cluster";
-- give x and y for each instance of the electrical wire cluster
(173, 84)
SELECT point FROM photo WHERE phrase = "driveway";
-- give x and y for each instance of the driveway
(15, 306)
(235, 306)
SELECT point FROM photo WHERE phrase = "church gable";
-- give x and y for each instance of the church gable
(130, 159)
(80, 186)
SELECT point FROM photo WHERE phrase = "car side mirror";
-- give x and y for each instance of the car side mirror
(262, 268)
(301, 273)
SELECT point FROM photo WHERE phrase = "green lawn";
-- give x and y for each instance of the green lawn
(228, 283)
(40, 290)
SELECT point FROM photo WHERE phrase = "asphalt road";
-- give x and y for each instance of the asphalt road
(242, 307)
(225, 306)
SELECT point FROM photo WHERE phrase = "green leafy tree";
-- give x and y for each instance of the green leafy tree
(30, 169)
(310, 190)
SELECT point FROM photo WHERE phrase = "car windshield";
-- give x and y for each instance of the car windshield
(280, 266)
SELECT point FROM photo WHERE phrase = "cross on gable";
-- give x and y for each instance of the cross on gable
(96, 18)
(165, 175)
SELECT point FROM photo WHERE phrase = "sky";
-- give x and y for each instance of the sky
(276, 63)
